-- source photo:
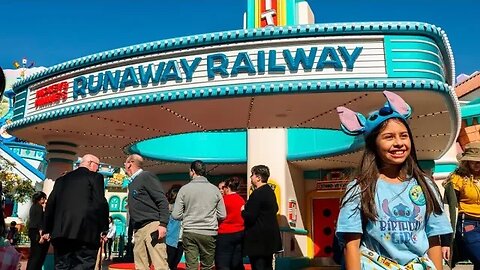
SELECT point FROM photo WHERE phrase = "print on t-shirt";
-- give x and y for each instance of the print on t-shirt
(400, 223)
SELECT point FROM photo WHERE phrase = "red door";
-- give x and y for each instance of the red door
(325, 214)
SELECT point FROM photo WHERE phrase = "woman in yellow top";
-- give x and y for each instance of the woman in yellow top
(466, 183)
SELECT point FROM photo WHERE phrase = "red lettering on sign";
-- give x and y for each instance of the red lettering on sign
(51, 94)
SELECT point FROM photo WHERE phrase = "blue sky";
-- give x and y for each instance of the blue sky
(49, 32)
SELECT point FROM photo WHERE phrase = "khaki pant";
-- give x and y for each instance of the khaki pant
(144, 253)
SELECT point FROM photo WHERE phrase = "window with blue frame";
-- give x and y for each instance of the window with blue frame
(120, 223)
(114, 204)
(124, 205)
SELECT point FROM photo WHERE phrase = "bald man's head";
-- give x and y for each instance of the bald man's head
(90, 162)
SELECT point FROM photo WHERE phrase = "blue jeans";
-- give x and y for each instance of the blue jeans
(470, 230)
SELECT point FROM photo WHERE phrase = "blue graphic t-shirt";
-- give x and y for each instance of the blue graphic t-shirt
(401, 231)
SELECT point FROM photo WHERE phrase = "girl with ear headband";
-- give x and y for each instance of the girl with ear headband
(390, 216)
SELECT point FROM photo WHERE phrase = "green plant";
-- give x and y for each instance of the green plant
(15, 187)
(117, 178)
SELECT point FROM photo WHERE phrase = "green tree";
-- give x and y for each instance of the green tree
(15, 187)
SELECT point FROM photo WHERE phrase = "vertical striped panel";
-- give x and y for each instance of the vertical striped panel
(251, 14)
(261, 9)
(19, 107)
(413, 57)
(280, 12)
(257, 13)
(291, 11)
(282, 7)
(275, 7)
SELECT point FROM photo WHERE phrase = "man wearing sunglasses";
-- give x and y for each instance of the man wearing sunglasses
(76, 214)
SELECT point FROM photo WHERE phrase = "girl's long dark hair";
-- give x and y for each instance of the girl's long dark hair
(368, 173)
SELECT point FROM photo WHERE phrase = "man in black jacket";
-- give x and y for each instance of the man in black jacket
(76, 214)
(148, 208)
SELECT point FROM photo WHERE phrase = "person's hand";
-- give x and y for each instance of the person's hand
(162, 232)
(242, 208)
(446, 253)
(44, 238)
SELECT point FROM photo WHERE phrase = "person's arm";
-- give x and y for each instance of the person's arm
(456, 184)
(50, 207)
(111, 231)
(35, 216)
(446, 239)
(221, 210)
(435, 251)
(457, 195)
(99, 202)
(446, 243)
(352, 251)
(179, 206)
(252, 209)
(155, 189)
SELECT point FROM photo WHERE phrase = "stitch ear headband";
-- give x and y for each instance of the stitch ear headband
(354, 123)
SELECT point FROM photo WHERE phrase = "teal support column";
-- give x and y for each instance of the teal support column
(61, 156)
(15, 209)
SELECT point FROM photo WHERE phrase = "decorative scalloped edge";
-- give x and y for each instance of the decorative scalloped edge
(330, 29)
(238, 90)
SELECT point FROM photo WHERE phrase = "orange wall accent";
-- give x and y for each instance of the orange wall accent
(468, 86)
(469, 134)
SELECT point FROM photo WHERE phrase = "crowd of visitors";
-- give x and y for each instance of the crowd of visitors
(213, 229)
(391, 215)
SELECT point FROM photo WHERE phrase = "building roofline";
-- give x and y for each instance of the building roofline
(469, 85)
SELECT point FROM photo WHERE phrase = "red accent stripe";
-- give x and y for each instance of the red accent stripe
(263, 8)
(181, 266)
(274, 6)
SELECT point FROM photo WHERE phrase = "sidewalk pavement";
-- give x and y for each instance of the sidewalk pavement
(105, 265)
